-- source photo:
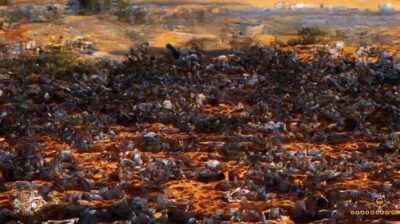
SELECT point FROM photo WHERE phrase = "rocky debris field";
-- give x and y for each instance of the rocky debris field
(253, 135)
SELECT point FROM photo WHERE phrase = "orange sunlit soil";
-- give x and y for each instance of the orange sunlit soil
(280, 133)
(202, 198)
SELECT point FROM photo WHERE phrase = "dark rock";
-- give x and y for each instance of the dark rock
(209, 176)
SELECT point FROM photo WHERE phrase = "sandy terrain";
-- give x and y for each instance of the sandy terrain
(203, 22)
(364, 4)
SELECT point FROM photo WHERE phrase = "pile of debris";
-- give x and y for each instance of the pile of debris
(255, 134)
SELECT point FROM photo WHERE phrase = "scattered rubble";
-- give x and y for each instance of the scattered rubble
(255, 135)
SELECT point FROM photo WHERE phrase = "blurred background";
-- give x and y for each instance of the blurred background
(107, 28)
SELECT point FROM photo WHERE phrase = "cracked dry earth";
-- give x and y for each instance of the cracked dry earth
(258, 135)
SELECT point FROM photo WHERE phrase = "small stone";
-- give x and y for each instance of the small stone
(167, 104)
(65, 154)
(274, 213)
(46, 96)
(200, 98)
(223, 186)
(209, 176)
(127, 162)
(137, 158)
(150, 135)
(314, 152)
(213, 164)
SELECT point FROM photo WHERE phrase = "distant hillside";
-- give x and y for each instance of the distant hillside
(363, 4)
